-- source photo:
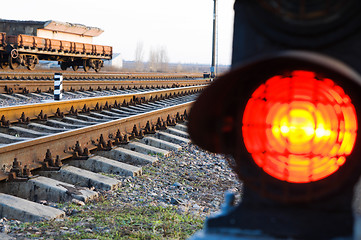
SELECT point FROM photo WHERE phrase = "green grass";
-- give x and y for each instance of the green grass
(109, 222)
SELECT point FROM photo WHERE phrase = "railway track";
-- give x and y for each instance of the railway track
(68, 75)
(38, 86)
(42, 81)
(47, 135)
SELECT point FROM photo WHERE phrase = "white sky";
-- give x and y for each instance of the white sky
(183, 27)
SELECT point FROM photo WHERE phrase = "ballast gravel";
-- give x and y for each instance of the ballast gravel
(192, 180)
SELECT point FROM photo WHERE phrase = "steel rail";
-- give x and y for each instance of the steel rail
(15, 113)
(43, 74)
(23, 86)
(32, 153)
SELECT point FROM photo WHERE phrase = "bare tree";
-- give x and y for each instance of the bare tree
(179, 68)
(139, 54)
(163, 58)
(152, 61)
(158, 60)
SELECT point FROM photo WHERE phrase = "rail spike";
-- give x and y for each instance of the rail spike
(49, 164)
(118, 138)
(140, 134)
(73, 111)
(102, 145)
(4, 122)
(17, 173)
(59, 113)
(79, 153)
(85, 109)
(125, 104)
(125, 139)
(26, 172)
(170, 121)
(58, 162)
(147, 128)
(77, 149)
(22, 118)
(16, 168)
(42, 116)
(135, 132)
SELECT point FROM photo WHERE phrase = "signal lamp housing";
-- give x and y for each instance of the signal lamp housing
(290, 122)
(289, 119)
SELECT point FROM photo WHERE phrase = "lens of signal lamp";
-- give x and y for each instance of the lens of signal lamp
(299, 128)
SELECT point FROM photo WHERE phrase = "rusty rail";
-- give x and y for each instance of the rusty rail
(48, 75)
(24, 86)
(32, 153)
(15, 113)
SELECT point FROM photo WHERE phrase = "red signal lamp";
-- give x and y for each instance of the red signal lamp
(290, 122)
(298, 128)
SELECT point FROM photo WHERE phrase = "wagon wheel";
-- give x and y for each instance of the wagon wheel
(63, 66)
(97, 69)
(4, 65)
(32, 63)
(97, 66)
(86, 65)
(13, 62)
(75, 67)
(31, 66)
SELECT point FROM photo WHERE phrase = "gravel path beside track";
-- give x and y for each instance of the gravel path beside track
(191, 181)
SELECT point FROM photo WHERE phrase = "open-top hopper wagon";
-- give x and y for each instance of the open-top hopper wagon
(66, 43)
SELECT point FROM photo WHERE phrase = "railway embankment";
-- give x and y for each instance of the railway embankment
(169, 201)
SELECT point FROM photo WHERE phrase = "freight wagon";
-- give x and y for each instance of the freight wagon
(27, 49)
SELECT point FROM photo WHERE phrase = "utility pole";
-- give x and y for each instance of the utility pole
(214, 42)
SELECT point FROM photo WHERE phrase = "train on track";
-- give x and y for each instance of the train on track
(18, 49)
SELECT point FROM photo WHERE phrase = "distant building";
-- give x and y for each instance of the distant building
(116, 62)
(51, 29)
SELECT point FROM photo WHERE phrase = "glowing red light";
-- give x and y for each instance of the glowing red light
(298, 128)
